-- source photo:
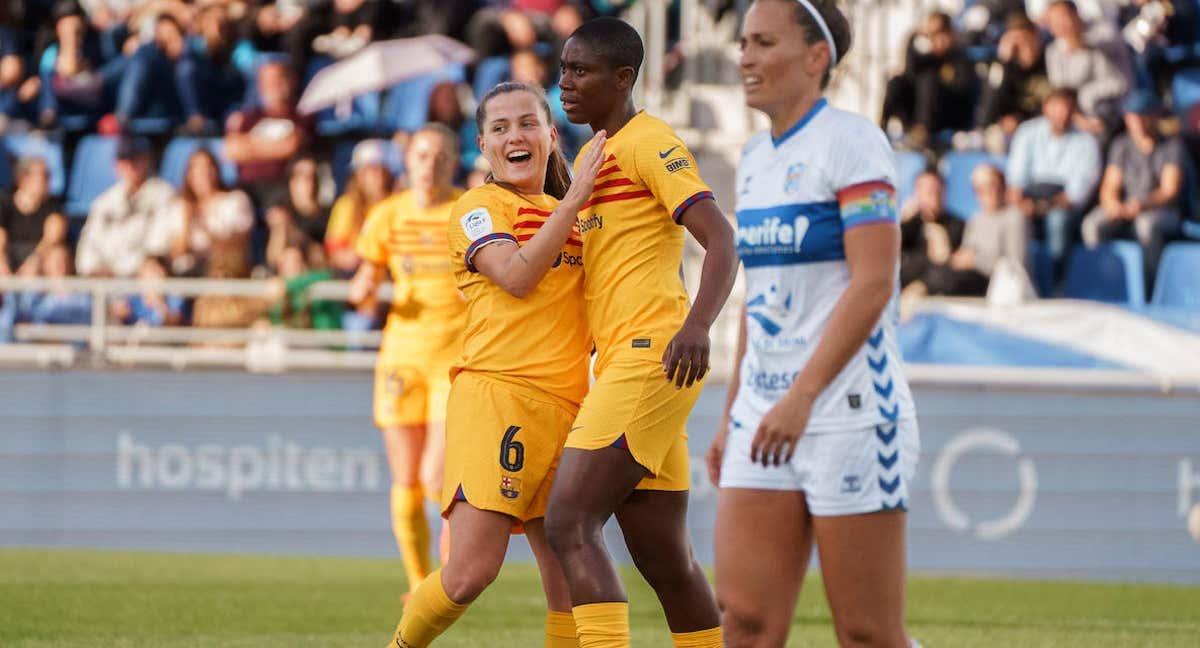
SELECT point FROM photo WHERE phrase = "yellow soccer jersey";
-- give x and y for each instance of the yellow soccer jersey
(541, 341)
(633, 244)
(412, 242)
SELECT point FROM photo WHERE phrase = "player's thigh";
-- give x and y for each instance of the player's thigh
(400, 412)
(859, 482)
(862, 564)
(632, 406)
(502, 445)
(554, 582)
(404, 445)
(654, 524)
(763, 540)
(480, 541)
(590, 485)
(433, 457)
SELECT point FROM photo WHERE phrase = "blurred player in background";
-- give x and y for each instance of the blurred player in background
(406, 233)
(820, 437)
(627, 452)
(523, 371)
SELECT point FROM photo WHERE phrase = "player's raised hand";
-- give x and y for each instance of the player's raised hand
(585, 177)
(780, 430)
(685, 360)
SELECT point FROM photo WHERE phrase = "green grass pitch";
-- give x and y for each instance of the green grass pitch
(125, 600)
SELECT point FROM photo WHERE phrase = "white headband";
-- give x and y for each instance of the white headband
(824, 30)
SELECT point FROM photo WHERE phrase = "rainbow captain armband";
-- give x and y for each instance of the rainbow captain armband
(866, 203)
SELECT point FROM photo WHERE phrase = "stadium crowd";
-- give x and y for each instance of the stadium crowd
(1022, 129)
(1048, 125)
(217, 174)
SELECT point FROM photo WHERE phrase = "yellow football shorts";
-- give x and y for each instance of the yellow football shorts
(503, 443)
(412, 378)
(631, 405)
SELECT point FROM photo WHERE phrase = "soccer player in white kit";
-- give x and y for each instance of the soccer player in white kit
(819, 441)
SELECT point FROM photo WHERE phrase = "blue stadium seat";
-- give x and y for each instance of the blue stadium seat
(956, 168)
(1112, 272)
(151, 125)
(179, 150)
(489, 72)
(92, 171)
(16, 146)
(1185, 91)
(406, 105)
(909, 165)
(340, 163)
(1041, 268)
(363, 117)
(1178, 281)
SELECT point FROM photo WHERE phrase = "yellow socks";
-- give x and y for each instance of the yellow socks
(602, 625)
(412, 532)
(710, 638)
(428, 613)
(560, 630)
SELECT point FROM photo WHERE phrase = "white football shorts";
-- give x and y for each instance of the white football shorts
(840, 473)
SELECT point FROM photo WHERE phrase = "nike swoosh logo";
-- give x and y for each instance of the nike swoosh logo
(664, 154)
(577, 427)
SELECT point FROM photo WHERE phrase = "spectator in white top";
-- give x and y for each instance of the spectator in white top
(1072, 62)
(995, 232)
(1142, 190)
(208, 220)
(126, 222)
(1052, 172)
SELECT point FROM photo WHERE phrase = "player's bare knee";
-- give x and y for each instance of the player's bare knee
(745, 626)
(464, 582)
(865, 632)
(672, 573)
(565, 530)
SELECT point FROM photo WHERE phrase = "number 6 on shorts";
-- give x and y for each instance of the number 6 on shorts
(512, 453)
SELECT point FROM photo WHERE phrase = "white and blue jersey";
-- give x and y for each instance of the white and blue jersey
(796, 197)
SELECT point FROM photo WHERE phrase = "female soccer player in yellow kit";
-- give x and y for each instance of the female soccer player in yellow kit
(627, 453)
(523, 372)
(407, 234)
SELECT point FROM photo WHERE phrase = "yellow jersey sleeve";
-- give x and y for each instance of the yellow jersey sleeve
(668, 169)
(476, 221)
(373, 241)
(339, 233)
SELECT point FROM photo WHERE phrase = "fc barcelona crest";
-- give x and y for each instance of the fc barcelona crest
(510, 487)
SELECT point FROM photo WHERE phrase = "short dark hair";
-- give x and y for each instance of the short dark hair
(943, 20)
(1067, 94)
(614, 40)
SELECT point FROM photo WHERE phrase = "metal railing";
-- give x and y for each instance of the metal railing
(258, 348)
